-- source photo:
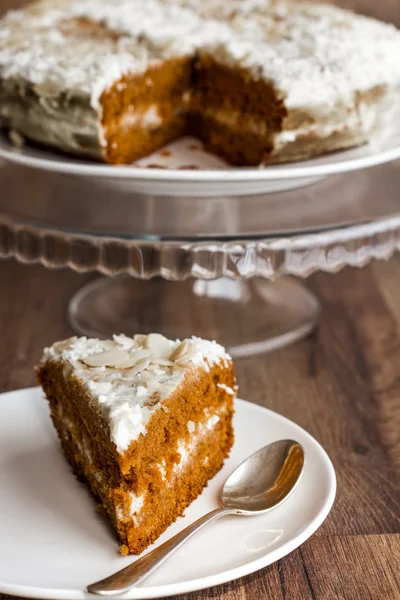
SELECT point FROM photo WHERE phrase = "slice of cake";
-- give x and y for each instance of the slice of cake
(258, 81)
(144, 421)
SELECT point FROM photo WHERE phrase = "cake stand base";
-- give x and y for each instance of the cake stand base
(247, 317)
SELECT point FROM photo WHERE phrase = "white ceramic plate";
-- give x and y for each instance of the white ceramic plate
(53, 541)
(212, 176)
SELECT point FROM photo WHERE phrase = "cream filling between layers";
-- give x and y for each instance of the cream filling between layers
(147, 119)
(227, 389)
(360, 121)
(230, 118)
(82, 445)
(252, 125)
(187, 450)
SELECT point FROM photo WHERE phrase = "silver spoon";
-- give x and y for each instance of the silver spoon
(261, 482)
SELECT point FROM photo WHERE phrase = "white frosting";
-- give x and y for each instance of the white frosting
(128, 378)
(41, 45)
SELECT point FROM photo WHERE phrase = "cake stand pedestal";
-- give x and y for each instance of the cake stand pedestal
(266, 315)
(235, 256)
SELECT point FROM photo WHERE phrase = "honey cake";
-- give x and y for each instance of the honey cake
(144, 421)
(259, 81)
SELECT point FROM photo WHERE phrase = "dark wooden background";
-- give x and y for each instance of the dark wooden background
(342, 385)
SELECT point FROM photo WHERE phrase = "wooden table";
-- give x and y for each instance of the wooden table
(342, 384)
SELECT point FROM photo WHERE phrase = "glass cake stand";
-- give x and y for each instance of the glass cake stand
(233, 260)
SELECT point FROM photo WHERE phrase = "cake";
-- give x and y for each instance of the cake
(258, 81)
(144, 421)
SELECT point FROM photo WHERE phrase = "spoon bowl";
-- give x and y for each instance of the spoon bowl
(265, 479)
(260, 483)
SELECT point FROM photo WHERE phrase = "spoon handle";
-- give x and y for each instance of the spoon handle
(123, 580)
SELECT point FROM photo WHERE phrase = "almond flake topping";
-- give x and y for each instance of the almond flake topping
(60, 346)
(186, 353)
(159, 345)
(137, 358)
(106, 359)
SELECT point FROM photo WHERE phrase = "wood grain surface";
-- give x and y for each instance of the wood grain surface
(342, 384)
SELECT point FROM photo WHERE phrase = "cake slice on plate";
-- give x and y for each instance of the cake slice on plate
(144, 421)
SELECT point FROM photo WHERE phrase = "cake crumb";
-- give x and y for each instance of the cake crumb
(155, 166)
(165, 153)
(16, 139)
(124, 550)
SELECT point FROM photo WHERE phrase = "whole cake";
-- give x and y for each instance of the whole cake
(144, 421)
(258, 81)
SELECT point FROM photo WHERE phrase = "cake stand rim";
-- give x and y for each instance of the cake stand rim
(176, 260)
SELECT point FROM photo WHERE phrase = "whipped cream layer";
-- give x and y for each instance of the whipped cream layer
(128, 378)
